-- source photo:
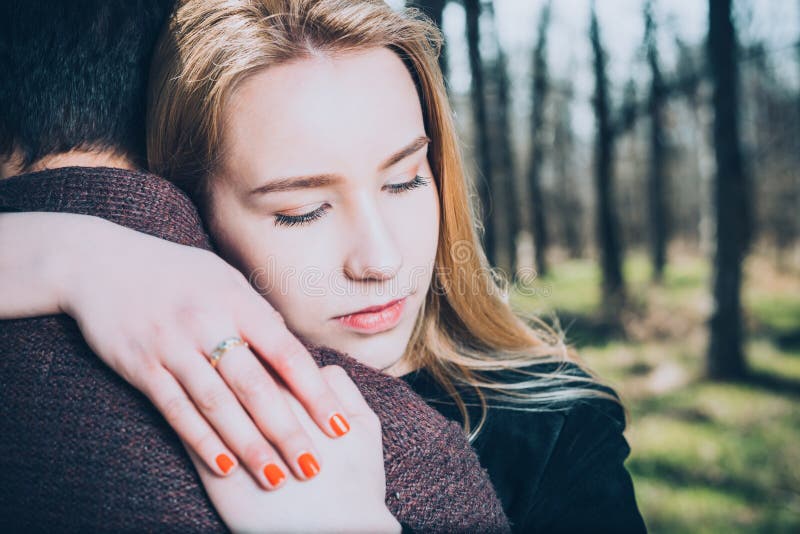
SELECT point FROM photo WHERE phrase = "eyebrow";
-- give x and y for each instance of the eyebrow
(322, 180)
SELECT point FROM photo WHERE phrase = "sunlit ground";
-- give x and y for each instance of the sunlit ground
(706, 457)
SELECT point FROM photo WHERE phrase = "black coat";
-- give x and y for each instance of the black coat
(559, 470)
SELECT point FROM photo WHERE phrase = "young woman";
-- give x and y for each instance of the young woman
(317, 140)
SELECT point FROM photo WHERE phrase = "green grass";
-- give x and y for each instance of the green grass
(706, 456)
(776, 315)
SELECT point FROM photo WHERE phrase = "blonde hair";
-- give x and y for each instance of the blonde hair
(466, 325)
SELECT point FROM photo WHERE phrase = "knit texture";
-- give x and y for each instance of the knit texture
(82, 450)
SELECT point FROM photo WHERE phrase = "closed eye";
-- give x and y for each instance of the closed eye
(299, 220)
(418, 181)
(306, 218)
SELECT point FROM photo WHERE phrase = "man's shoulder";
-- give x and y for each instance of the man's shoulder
(80, 447)
(135, 199)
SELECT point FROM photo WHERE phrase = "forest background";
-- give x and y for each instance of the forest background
(637, 167)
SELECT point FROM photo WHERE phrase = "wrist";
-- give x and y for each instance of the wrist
(81, 244)
(36, 249)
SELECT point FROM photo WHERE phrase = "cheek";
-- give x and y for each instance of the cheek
(293, 275)
(232, 231)
(428, 232)
(416, 223)
(246, 241)
(286, 266)
(425, 223)
(295, 288)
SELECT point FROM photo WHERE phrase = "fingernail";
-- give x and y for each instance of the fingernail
(274, 475)
(339, 424)
(308, 464)
(224, 463)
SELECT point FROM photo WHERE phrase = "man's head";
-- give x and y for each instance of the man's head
(73, 77)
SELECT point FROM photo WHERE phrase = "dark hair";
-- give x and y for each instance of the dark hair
(73, 75)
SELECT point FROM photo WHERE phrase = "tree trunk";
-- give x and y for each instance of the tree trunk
(607, 227)
(503, 177)
(569, 205)
(434, 9)
(505, 188)
(725, 356)
(656, 193)
(480, 128)
(539, 99)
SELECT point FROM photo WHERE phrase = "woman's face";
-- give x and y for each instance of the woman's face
(327, 201)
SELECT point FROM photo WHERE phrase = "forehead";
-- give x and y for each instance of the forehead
(324, 110)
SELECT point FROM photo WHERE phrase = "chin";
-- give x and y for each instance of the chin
(378, 351)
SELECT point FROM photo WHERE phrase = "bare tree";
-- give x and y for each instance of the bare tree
(726, 357)
(773, 136)
(607, 226)
(504, 187)
(541, 87)
(434, 9)
(656, 194)
(687, 83)
(567, 202)
(480, 127)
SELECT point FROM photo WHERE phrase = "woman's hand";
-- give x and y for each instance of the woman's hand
(153, 310)
(347, 496)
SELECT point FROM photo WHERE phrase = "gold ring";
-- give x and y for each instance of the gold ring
(224, 346)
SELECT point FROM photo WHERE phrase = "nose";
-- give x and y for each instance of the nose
(373, 254)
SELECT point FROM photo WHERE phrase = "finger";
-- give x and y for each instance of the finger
(347, 391)
(199, 463)
(182, 415)
(353, 401)
(258, 392)
(220, 407)
(266, 332)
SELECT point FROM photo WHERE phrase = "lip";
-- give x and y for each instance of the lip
(375, 319)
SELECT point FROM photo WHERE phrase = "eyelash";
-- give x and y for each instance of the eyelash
(306, 218)
(417, 181)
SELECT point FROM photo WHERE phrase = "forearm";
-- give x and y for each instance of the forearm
(37, 251)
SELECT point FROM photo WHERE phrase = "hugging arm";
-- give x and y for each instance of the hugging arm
(151, 309)
(434, 481)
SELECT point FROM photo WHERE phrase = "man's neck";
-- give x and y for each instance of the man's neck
(73, 158)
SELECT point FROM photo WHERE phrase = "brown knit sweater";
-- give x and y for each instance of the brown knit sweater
(81, 450)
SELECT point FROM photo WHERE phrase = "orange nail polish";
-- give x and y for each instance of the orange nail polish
(308, 464)
(339, 424)
(274, 474)
(224, 463)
